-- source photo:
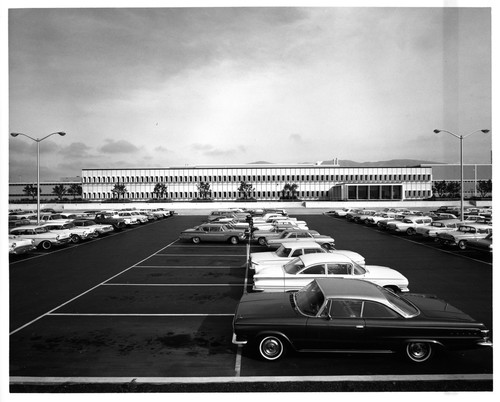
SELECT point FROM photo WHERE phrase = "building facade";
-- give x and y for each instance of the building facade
(313, 182)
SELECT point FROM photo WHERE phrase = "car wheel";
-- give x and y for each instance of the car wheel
(233, 240)
(462, 245)
(410, 231)
(262, 241)
(271, 347)
(45, 245)
(419, 351)
(196, 240)
(75, 239)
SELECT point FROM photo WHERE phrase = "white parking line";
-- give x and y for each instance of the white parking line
(199, 255)
(188, 266)
(81, 294)
(136, 315)
(172, 284)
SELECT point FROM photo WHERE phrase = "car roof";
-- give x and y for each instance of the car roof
(302, 244)
(323, 257)
(350, 288)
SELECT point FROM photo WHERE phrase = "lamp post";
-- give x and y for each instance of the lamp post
(461, 138)
(38, 141)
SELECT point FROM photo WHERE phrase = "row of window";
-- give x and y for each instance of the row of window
(213, 194)
(256, 178)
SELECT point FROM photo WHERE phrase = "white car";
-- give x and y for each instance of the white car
(77, 233)
(298, 236)
(438, 227)
(409, 224)
(18, 245)
(288, 251)
(302, 270)
(99, 228)
(379, 216)
(128, 217)
(41, 236)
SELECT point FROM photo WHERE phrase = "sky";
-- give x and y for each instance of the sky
(171, 86)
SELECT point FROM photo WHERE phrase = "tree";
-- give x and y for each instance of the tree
(59, 191)
(204, 190)
(75, 189)
(484, 187)
(453, 189)
(246, 189)
(31, 190)
(289, 191)
(440, 188)
(119, 189)
(160, 190)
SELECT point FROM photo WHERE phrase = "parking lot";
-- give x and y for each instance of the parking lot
(140, 304)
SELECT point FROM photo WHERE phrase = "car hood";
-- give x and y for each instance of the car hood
(269, 305)
(432, 307)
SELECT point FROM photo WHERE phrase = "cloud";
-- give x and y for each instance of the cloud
(77, 150)
(118, 147)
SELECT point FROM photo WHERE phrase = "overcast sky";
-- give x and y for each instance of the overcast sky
(160, 87)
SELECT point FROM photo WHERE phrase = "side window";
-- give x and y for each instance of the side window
(377, 310)
(312, 250)
(338, 269)
(314, 270)
(302, 235)
(292, 235)
(297, 252)
(345, 308)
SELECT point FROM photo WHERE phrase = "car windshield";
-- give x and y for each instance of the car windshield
(293, 266)
(358, 269)
(282, 251)
(309, 299)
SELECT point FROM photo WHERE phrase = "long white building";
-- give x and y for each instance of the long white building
(313, 181)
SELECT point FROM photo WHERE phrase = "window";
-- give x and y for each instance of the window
(314, 270)
(345, 308)
(338, 269)
(377, 310)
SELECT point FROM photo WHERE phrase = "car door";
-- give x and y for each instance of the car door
(338, 327)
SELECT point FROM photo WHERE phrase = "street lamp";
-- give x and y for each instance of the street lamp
(461, 138)
(38, 141)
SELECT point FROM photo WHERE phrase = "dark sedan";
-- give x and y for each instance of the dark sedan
(353, 316)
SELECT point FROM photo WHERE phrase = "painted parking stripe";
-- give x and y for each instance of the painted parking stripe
(82, 294)
(136, 315)
(173, 284)
(199, 255)
(189, 266)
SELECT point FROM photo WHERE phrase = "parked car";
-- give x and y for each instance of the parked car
(341, 213)
(409, 224)
(299, 235)
(298, 272)
(76, 233)
(485, 245)
(129, 218)
(379, 216)
(261, 235)
(15, 220)
(212, 232)
(110, 218)
(99, 229)
(42, 237)
(349, 216)
(18, 245)
(351, 315)
(431, 231)
(383, 223)
(464, 233)
(363, 216)
(290, 250)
